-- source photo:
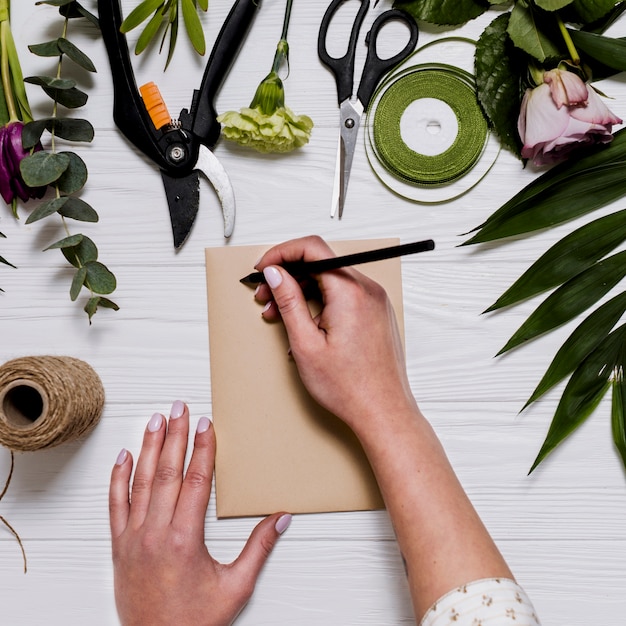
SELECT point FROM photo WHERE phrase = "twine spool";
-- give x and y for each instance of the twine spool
(46, 401)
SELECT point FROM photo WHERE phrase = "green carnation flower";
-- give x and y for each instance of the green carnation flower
(267, 125)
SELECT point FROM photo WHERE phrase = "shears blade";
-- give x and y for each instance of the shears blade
(183, 195)
(349, 121)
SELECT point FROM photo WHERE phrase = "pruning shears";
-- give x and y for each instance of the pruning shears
(181, 148)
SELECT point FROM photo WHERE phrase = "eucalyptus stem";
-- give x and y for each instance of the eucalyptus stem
(571, 48)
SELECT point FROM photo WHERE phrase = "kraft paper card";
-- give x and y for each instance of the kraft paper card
(277, 449)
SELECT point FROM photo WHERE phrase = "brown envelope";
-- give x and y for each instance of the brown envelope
(277, 449)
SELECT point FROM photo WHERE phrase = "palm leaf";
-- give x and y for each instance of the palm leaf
(569, 197)
(571, 299)
(584, 340)
(583, 392)
(618, 413)
(613, 153)
(567, 258)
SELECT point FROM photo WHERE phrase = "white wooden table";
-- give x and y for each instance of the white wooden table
(562, 529)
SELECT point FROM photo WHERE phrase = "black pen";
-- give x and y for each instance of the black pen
(306, 268)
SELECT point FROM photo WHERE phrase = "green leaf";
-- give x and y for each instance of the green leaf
(589, 11)
(584, 340)
(92, 305)
(75, 9)
(568, 170)
(149, 32)
(571, 299)
(75, 175)
(17, 78)
(498, 81)
(72, 129)
(203, 4)
(5, 262)
(583, 392)
(85, 251)
(173, 35)
(82, 253)
(46, 49)
(552, 5)
(31, 133)
(567, 258)
(69, 98)
(565, 199)
(78, 209)
(618, 413)
(77, 55)
(42, 168)
(139, 14)
(607, 50)
(54, 3)
(530, 34)
(194, 26)
(45, 209)
(443, 12)
(77, 282)
(99, 278)
(66, 242)
(52, 82)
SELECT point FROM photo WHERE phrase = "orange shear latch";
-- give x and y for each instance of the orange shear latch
(155, 105)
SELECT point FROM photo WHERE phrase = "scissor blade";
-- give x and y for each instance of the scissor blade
(215, 173)
(349, 120)
(183, 199)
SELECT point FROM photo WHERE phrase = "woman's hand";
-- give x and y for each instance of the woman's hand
(163, 571)
(349, 356)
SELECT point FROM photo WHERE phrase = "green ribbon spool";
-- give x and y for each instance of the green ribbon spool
(438, 82)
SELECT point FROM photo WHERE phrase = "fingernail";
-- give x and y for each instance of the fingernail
(256, 290)
(121, 457)
(272, 276)
(155, 422)
(266, 307)
(282, 523)
(177, 410)
(204, 423)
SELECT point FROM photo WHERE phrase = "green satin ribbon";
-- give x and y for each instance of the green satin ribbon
(449, 84)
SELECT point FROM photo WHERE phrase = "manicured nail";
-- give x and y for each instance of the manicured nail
(177, 410)
(155, 422)
(256, 290)
(121, 457)
(266, 307)
(204, 423)
(282, 523)
(272, 276)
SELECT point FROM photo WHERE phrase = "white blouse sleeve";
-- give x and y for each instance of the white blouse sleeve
(488, 602)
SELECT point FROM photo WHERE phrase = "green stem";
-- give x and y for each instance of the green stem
(6, 72)
(571, 48)
(286, 20)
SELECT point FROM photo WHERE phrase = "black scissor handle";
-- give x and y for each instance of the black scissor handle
(375, 67)
(343, 67)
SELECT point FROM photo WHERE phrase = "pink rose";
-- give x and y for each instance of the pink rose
(561, 114)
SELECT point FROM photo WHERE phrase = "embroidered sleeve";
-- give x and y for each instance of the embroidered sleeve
(488, 602)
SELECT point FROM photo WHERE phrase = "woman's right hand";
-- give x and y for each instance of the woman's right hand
(349, 356)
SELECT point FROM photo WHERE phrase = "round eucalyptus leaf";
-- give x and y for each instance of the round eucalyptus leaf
(72, 129)
(69, 98)
(75, 175)
(99, 278)
(82, 253)
(78, 209)
(67, 242)
(77, 282)
(46, 49)
(77, 55)
(31, 133)
(42, 168)
(45, 209)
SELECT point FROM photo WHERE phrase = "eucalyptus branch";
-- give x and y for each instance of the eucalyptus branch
(64, 171)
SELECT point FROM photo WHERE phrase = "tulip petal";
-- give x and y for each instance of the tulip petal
(6, 190)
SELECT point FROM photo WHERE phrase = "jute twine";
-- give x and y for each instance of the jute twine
(47, 400)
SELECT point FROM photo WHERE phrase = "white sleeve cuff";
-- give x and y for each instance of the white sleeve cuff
(487, 602)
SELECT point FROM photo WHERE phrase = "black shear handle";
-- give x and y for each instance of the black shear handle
(375, 67)
(225, 49)
(129, 112)
(342, 67)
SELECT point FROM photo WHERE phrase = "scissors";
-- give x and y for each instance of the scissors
(350, 112)
(180, 148)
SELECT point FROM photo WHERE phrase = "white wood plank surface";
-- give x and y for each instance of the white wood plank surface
(562, 529)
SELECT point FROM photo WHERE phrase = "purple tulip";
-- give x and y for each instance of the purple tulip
(12, 152)
(560, 115)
